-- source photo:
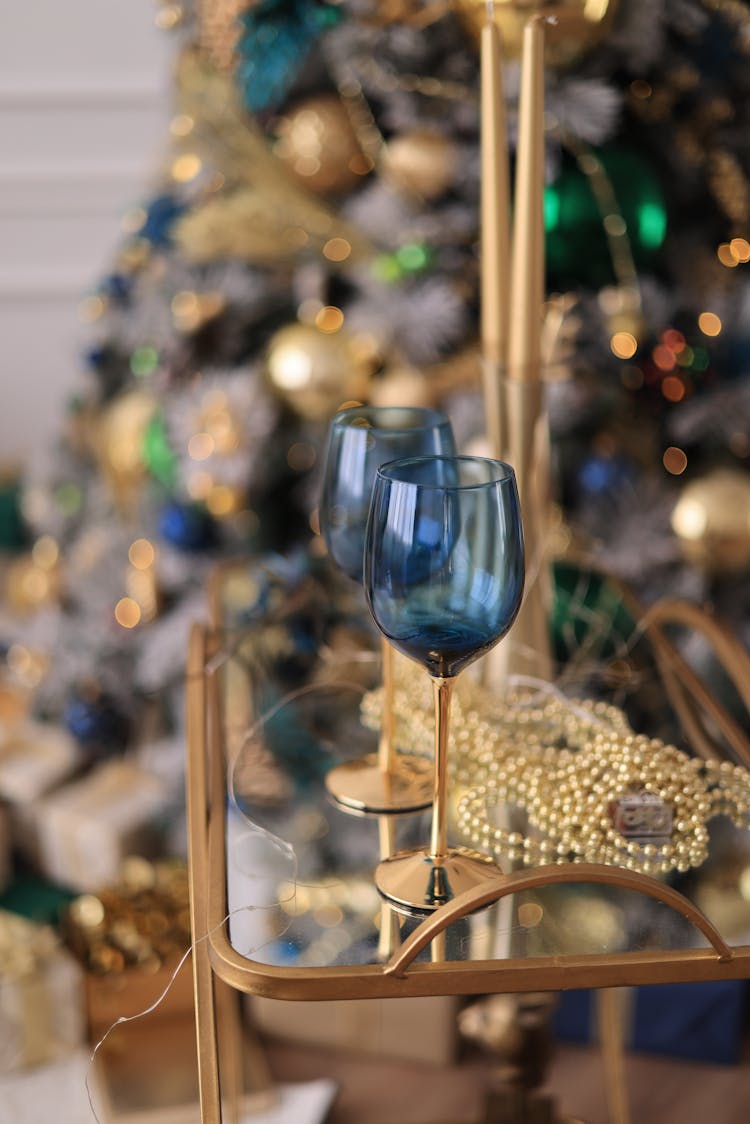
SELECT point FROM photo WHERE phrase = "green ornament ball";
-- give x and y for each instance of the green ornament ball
(579, 222)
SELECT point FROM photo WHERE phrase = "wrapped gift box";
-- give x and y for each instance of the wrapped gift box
(132, 937)
(80, 833)
(41, 995)
(697, 1021)
(36, 899)
(146, 1073)
(35, 758)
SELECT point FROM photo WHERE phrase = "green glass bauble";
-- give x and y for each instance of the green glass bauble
(578, 226)
(157, 453)
(589, 613)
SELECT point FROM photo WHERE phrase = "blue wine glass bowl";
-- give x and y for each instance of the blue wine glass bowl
(360, 439)
(444, 557)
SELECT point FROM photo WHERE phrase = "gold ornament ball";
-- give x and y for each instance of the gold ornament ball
(401, 386)
(712, 521)
(31, 586)
(317, 142)
(313, 372)
(423, 162)
(119, 440)
(578, 24)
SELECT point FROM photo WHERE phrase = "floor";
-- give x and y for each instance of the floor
(661, 1090)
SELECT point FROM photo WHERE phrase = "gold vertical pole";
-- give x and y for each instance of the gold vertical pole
(387, 742)
(389, 934)
(197, 810)
(495, 232)
(610, 1013)
(527, 272)
(229, 1026)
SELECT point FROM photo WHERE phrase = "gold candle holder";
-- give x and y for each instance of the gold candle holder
(495, 232)
(526, 444)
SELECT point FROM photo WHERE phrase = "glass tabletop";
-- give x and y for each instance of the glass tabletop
(552, 778)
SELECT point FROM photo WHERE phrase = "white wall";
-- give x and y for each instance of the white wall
(85, 88)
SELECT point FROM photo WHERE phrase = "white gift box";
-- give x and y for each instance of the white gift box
(34, 759)
(84, 830)
(42, 1014)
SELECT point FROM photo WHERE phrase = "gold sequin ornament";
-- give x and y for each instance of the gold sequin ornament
(575, 26)
(712, 520)
(143, 922)
(314, 372)
(316, 141)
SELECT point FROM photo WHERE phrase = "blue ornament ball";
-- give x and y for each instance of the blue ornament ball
(118, 287)
(97, 723)
(96, 357)
(603, 476)
(161, 215)
(187, 526)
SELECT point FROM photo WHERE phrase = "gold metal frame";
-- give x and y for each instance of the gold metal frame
(218, 967)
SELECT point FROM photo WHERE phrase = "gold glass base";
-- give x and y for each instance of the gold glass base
(414, 882)
(362, 786)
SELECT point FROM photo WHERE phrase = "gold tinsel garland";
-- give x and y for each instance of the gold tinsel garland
(258, 210)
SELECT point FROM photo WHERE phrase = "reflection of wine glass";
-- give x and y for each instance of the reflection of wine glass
(444, 572)
(360, 439)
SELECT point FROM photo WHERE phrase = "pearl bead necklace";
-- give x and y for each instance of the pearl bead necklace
(565, 764)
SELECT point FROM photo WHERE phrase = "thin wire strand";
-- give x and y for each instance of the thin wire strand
(162, 996)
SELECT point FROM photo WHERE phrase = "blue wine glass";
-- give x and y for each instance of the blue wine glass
(360, 439)
(444, 576)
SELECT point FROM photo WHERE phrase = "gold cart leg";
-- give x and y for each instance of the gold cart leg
(610, 1016)
(197, 807)
(230, 1031)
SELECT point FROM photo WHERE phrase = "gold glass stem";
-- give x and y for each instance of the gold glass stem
(438, 949)
(385, 836)
(442, 691)
(387, 743)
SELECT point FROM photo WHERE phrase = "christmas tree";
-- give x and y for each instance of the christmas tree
(312, 240)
